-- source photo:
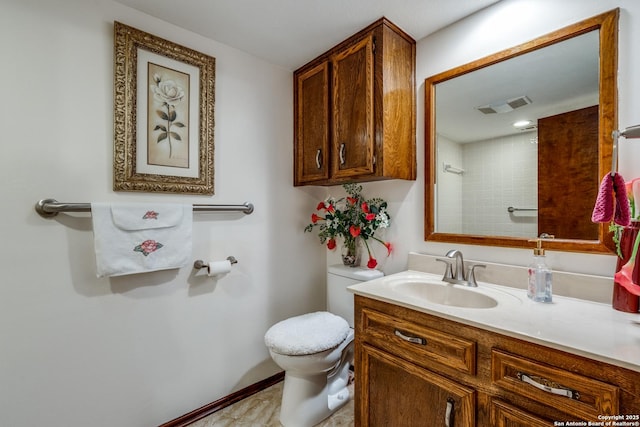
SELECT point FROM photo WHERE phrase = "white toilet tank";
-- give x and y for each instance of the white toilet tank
(339, 299)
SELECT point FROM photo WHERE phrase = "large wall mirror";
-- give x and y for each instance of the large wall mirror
(517, 142)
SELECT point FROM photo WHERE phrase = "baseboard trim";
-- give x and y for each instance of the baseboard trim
(222, 403)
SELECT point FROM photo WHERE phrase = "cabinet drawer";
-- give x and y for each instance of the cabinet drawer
(418, 343)
(505, 415)
(568, 392)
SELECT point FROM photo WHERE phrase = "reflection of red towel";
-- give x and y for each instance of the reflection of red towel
(623, 213)
(612, 198)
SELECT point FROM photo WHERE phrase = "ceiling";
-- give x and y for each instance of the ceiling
(290, 33)
(557, 78)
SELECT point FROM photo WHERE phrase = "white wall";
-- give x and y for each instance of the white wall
(138, 350)
(141, 350)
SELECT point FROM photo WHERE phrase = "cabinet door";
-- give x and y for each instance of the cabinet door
(312, 125)
(391, 392)
(353, 125)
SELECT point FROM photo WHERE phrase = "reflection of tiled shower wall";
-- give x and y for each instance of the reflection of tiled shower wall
(500, 172)
(448, 187)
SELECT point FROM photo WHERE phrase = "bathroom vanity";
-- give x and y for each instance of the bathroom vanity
(487, 356)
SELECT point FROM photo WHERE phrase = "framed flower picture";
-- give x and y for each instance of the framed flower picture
(163, 115)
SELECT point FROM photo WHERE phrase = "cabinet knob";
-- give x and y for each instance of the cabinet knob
(341, 153)
(319, 158)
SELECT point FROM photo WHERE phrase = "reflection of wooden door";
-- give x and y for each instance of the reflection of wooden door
(568, 178)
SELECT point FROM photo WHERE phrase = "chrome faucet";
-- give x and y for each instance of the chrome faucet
(457, 275)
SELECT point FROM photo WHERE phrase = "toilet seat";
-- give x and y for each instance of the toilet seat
(307, 334)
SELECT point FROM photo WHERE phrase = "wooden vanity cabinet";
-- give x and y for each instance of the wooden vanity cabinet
(401, 393)
(355, 110)
(416, 369)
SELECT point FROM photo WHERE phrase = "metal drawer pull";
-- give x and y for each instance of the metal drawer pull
(548, 386)
(415, 340)
(448, 415)
(342, 153)
(319, 158)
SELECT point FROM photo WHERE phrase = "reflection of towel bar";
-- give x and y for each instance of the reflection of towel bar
(50, 208)
(448, 168)
(511, 209)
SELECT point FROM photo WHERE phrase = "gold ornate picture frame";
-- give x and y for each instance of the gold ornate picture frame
(164, 96)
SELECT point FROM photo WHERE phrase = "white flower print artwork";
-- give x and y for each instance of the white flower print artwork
(168, 114)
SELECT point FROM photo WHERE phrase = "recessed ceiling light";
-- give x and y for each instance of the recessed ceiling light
(522, 123)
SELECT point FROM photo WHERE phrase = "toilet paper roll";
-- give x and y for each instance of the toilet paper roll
(216, 268)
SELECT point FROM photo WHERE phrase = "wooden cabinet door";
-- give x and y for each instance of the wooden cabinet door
(505, 415)
(312, 125)
(391, 392)
(353, 134)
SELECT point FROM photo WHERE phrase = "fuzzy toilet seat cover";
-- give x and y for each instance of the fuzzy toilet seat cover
(307, 334)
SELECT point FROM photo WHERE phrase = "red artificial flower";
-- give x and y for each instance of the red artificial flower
(389, 247)
(331, 209)
(352, 200)
(315, 218)
(365, 207)
(320, 206)
(331, 244)
(624, 278)
(354, 231)
(372, 262)
(370, 216)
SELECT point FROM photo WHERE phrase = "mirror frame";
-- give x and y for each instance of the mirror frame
(607, 24)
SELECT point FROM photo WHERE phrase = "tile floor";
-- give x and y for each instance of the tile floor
(263, 409)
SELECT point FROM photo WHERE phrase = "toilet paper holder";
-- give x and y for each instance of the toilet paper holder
(198, 264)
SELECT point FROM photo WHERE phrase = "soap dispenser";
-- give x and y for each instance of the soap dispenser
(539, 288)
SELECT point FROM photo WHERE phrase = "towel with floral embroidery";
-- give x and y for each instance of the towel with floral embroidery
(141, 237)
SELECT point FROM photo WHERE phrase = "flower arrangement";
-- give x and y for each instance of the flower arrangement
(633, 194)
(632, 189)
(625, 276)
(351, 218)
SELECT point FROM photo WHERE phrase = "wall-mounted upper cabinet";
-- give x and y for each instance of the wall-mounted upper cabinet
(355, 110)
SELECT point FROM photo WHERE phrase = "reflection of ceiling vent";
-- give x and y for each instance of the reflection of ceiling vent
(504, 106)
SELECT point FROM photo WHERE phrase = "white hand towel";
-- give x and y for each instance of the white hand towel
(141, 237)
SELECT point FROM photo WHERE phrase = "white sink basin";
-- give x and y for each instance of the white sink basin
(444, 294)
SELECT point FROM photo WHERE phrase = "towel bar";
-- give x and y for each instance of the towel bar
(511, 209)
(452, 169)
(48, 208)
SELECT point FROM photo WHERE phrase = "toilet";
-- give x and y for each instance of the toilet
(315, 350)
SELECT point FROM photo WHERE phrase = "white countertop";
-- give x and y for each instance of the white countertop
(581, 327)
